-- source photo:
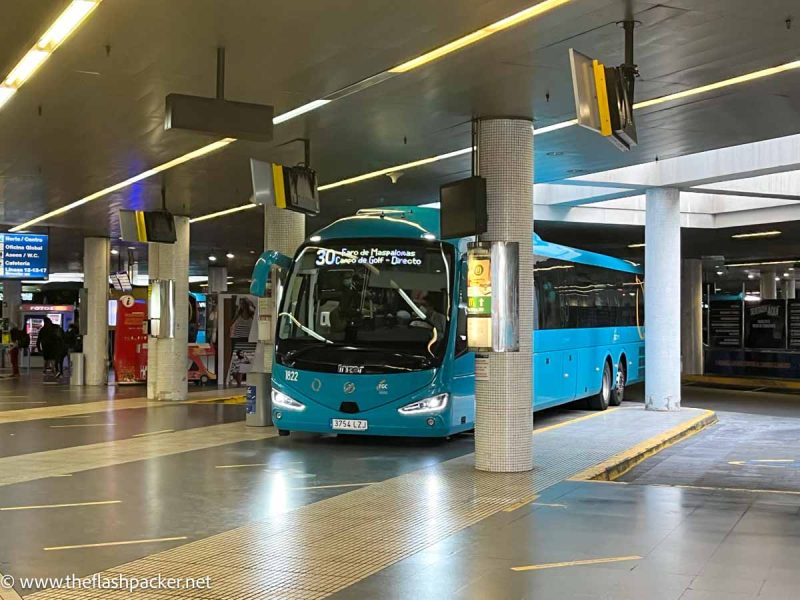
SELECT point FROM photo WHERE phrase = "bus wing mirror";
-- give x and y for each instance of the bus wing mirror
(262, 269)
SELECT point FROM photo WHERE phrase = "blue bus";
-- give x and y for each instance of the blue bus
(371, 329)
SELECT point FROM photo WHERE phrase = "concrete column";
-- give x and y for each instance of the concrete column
(95, 313)
(167, 358)
(662, 271)
(504, 401)
(692, 317)
(769, 287)
(285, 232)
(789, 288)
(12, 299)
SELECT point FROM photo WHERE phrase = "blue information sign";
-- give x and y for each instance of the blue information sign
(23, 256)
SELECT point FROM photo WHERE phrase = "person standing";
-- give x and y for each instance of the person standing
(16, 344)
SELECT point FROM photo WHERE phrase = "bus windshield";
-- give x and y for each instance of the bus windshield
(367, 306)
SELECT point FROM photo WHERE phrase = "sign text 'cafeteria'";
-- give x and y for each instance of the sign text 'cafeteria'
(23, 256)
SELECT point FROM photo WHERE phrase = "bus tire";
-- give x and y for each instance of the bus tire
(283, 432)
(618, 389)
(600, 400)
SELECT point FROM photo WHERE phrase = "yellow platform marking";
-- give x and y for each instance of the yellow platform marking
(8, 593)
(241, 466)
(723, 489)
(576, 563)
(70, 504)
(26, 402)
(743, 382)
(82, 425)
(123, 543)
(599, 413)
(153, 433)
(336, 485)
(621, 463)
(520, 504)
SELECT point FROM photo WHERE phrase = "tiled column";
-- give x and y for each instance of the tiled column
(769, 287)
(95, 313)
(284, 231)
(12, 299)
(662, 299)
(504, 402)
(167, 358)
(692, 317)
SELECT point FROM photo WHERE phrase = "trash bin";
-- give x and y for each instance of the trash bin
(259, 406)
(76, 368)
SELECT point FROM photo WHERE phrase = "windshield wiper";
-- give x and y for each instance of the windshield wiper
(305, 329)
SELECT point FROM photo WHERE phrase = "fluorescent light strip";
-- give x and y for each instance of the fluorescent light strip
(67, 22)
(300, 110)
(131, 180)
(476, 36)
(635, 245)
(386, 171)
(222, 213)
(757, 234)
(758, 264)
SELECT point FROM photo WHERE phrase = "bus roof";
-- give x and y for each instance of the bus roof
(415, 222)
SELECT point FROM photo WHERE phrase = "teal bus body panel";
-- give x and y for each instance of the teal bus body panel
(567, 363)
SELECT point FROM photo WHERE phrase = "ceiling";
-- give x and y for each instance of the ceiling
(93, 115)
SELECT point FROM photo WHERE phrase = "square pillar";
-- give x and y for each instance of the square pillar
(504, 400)
(692, 317)
(95, 314)
(662, 299)
(167, 358)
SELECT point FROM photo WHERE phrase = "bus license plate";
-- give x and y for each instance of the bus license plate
(349, 424)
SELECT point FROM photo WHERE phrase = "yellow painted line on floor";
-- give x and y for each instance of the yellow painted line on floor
(520, 504)
(7, 593)
(576, 563)
(723, 489)
(123, 543)
(70, 504)
(599, 413)
(62, 475)
(22, 402)
(621, 463)
(82, 425)
(153, 433)
(242, 466)
(337, 485)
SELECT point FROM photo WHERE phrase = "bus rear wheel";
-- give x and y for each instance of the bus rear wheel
(618, 392)
(601, 400)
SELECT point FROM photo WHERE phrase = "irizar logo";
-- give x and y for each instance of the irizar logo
(382, 388)
(349, 387)
(351, 369)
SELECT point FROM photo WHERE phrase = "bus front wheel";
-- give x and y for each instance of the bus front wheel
(601, 400)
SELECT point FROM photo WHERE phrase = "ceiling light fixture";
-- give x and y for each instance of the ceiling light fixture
(212, 258)
(229, 255)
(476, 36)
(300, 110)
(756, 234)
(114, 251)
(130, 181)
(222, 213)
(67, 22)
(764, 263)
(379, 173)
(635, 245)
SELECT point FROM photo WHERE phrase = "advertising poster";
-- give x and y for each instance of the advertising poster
(765, 324)
(240, 348)
(130, 341)
(725, 324)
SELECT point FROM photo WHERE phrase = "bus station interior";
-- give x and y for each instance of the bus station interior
(634, 432)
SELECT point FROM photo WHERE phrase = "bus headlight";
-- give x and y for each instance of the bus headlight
(433, 404)
(284, 401)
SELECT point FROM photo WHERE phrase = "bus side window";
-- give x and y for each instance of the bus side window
(461, 321)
